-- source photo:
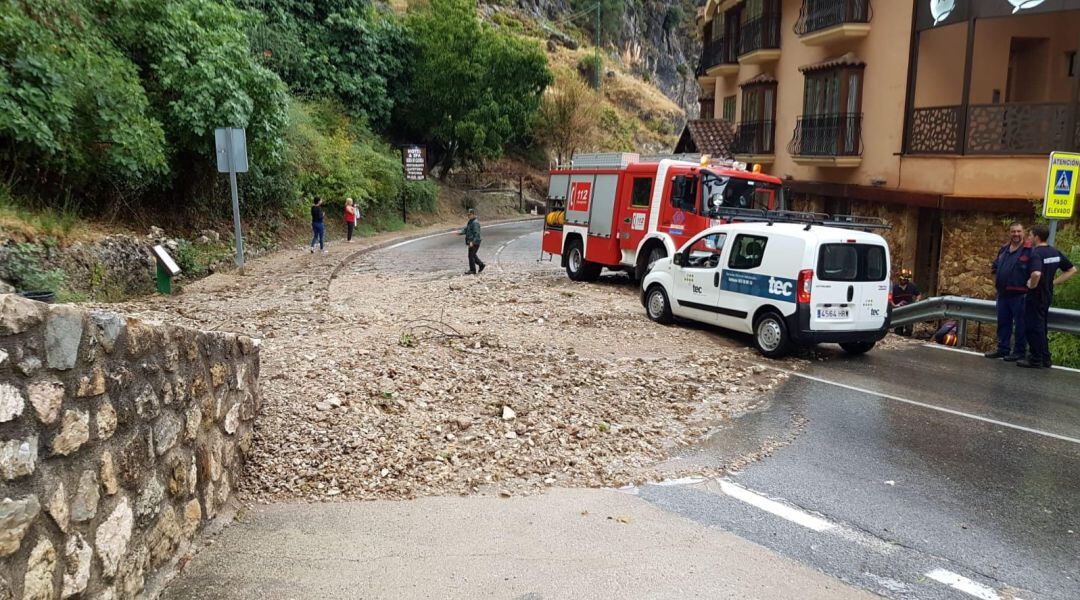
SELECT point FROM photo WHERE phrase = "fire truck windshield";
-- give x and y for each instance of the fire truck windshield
(733, 192)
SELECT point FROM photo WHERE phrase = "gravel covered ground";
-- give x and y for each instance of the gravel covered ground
(395, 383)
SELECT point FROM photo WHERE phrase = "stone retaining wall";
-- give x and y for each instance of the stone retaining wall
(119, 440)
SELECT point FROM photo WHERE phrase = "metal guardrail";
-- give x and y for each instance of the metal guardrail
(970, 309)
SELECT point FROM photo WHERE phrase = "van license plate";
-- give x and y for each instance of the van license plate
(832, 313)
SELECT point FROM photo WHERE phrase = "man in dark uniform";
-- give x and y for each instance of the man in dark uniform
(904, 292)
(1045, 263)
(472, 238)
(1010, 270)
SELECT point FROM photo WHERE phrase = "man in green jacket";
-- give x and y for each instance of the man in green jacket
(472, 238)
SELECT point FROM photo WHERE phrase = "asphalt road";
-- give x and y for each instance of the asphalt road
(913, 473)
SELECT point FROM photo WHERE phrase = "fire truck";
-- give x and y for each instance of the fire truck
(624, 212)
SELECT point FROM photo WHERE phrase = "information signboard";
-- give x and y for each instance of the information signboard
(1062, 177)
(415, 161)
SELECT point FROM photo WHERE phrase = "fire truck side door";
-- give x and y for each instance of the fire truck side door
(697, 282)
(634, 213)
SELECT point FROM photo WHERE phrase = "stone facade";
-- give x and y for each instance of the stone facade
(118, 441)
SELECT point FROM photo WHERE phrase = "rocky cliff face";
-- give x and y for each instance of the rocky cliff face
(656, 38)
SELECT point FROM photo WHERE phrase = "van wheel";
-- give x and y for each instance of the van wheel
(645, 266)
(857, 348)
(657, 305)
(771, 336)
(577, 268)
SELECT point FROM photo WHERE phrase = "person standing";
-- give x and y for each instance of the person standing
(905, 292)
(318, 229)
(350, 219)
(1011, 271)
(472, 239)
(1045, 263)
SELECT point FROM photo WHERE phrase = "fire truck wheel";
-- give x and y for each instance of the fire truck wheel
(857, 347)
(771, 335)
(577, 268)
(655, 254)
(657, 305)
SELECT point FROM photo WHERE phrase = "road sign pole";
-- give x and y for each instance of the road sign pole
(237, 232)
(1053, 231)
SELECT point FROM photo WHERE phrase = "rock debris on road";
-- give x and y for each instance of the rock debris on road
(389, 384)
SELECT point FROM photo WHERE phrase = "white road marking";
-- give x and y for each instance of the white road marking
(772, 506)
(963, 584)
(950, 411)
(498, 253)
(435, 235)
(973, 353)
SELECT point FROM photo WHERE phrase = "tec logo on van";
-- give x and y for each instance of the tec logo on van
(762, 286)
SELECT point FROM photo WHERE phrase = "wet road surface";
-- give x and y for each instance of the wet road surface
(912, 472)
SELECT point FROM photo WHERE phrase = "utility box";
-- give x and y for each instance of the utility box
(166, 270)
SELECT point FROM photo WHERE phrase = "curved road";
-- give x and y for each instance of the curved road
(912, 473)
(939, 474)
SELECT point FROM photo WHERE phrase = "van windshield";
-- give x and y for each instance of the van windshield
(732, 192)
(852, 262)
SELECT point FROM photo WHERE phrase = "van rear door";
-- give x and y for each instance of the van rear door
(851, 287)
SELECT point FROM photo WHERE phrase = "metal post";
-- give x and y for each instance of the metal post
(966, 97)
(961, 332)
(237, 233)
(1053, 231)
(912, 81)
(598, 65)
(404, 207)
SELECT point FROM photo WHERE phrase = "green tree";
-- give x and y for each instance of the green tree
(472, 90)
(72, 108)
(341, 49)
(199, 74)
(569, 116)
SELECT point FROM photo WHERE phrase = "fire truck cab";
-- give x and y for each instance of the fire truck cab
(623, 212)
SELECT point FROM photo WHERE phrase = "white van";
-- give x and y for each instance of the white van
(788, 284)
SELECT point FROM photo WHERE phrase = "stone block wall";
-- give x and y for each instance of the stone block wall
(119, 440)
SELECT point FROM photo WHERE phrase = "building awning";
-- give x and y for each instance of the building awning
(939, 13)
(847, 60)
(759, 79)
(714, 137)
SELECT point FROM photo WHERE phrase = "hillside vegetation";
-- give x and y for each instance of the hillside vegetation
(108, 107)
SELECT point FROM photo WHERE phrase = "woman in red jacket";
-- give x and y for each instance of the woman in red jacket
(350, 219)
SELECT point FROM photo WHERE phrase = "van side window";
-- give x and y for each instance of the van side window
(748, 252)
(705, 252)
(642, 192)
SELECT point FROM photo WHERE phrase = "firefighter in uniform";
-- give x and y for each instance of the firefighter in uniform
(1045, 263)
(1010, 270)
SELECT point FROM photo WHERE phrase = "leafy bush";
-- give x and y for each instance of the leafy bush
(334, 158)
(421, 196)
(1065, 348)
(473, 90)
(23, 268)
(72, 107)
(339, 49)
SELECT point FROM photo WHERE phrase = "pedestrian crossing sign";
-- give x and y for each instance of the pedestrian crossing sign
(1061, 180)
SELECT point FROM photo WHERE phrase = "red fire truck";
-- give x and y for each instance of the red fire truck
(624, 212)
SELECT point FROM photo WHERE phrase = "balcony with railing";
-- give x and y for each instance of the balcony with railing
(754, 141)
(1014, 128)
(824, 22)
(718, 59)
(833, 140)
(759, 39)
